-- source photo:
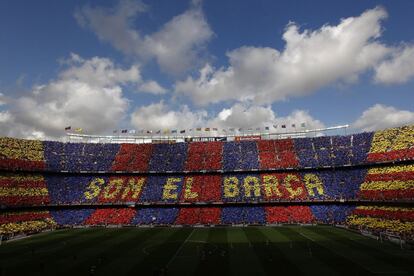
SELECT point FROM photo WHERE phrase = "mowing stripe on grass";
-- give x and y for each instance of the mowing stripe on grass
(243, 258)
(122, 258)
(189, 256)
(330, 258)
(385, 247)
(214, 255)
(384, 261)
(309, 265)
(162, 253)
(99, 255)
(179, 249)
(269, 255)
(46, 257)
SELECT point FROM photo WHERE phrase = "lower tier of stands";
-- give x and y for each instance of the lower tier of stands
(391, 219)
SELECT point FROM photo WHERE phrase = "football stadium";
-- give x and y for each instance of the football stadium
(330, 204)
(195, 137)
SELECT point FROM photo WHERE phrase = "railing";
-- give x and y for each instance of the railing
(214, 136)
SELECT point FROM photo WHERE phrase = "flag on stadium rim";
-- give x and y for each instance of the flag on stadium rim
(294, 125)
(182, 131)
(149, 131)
(303, 125)
(257, 128)
(266, 128)
(115, 131)
(215, 129)
(68, 128)
(174, 131)
(166, 131)
(132, 131)
(274, 126)
(283, 126)
(231, 129)
(79, 129)
(158, 131)
(198, 129)
(207, 129)
(124, 131)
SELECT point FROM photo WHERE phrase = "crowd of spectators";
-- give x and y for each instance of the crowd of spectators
(394, 182)
(23, 189)
(77, 157)
(240, 182)
(204, 156)
(15, 223)
(133, 157)
(277, 154)
(111, 216)
(289, 214)
(397, 220)
(17, 154)
(392, 144)
(388, 183)
(333, 151)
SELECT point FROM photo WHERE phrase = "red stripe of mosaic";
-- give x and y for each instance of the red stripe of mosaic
(23, 200)
(391, 155)
(18, 217)
(398, 214)
(390, 176)
(22, 184)
(387, 194)
(21, 164)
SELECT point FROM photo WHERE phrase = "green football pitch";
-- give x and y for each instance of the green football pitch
(308, 250)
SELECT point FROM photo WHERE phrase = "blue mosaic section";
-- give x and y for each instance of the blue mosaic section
(155, 216)
(240, 156)
(79, 156)
(333, 150)
(71, 217)
(153, 189)
(331, 213)
(239, 215)
(168, 157)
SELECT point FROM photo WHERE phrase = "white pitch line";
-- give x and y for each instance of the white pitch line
(300, 233)
(179, 249)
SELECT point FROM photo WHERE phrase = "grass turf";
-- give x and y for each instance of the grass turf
(310, 250)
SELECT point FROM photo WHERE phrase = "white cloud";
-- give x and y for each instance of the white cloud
(309, 61)
(87, 94)
(3, 99)
(177, 46)
(381, 116)
(160, 116)
(251, 116)
(152, 87)
(399, 68)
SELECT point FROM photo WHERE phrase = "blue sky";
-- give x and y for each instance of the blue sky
(181, 64)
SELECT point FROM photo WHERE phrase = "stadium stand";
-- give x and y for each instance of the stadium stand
(363, 181)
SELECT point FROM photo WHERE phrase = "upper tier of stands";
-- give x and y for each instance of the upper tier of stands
(392, 144)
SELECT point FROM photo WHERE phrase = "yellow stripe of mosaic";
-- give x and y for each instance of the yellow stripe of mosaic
(387, 185)
(4, 191)
(12, 148)
(385, 224)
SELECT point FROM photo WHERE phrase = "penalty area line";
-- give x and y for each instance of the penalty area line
(179, 249)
